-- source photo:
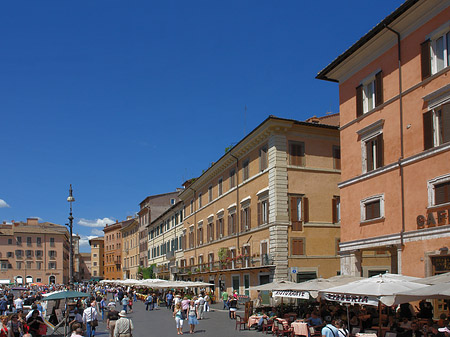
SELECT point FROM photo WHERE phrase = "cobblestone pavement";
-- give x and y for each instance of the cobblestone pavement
(160, 323)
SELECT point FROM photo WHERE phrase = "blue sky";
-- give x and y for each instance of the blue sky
(125, 99)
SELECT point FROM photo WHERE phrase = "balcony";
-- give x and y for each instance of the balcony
(227, 264)
(170, 255)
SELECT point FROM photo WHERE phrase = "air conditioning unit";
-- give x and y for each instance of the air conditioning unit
(246, 227)
(210, 238)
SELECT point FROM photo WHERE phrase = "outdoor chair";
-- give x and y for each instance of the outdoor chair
(266, 325)
(240, 322)
(282, 331)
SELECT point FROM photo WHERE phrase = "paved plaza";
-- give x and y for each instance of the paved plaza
(160, 323)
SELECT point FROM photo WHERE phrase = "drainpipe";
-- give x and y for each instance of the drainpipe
(237, 204)
(402, 178)
(195, 224)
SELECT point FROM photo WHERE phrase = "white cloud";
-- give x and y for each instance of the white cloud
(100, 223)
(97, 232)
(84, 239)
(3, 204)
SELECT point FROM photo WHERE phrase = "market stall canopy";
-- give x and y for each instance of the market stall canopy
(370, 291)
(275, 285)
(61, 295)
(436, 279)
(441, 291)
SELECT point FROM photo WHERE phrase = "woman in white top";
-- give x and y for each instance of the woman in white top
(340, 325)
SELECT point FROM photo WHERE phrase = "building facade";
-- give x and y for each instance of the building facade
(85, 268)
(266, 210)
(165, 242)
(113, 249)
(97, 258)
(130, 249)
(395, 135)
(151, 208)
(34, 252)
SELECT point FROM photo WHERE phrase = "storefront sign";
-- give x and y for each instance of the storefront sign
(433, 219)
(351, 299)
(291, 294)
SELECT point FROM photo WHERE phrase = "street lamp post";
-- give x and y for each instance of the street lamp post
(70, 199)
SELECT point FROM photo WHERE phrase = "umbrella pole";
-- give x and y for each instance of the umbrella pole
(348, 319)
(65, 319)
(379, 319)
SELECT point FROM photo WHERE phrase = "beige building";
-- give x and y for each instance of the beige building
(85, 271)
(151, 208)
(97, 255)
(268, 209)
(34, 252)
(130, 249)
(165, 236)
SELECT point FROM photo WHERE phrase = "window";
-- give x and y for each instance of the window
(439, 191)
(199, 200)
(52, 242)
(192, 206)
(245, 219)
(298, 246)
(245, 170)
(38, 241)
(9, 254)
(373, 153)
(19, 254)
(372, 208)
(210, 231)
(435, 54)
(52, 265)
(299, 211)
(191, 237)
(219, 228)
(4, 266)
(210, 193)
(29, 254)
(297, 153)
(369, 94)
(28, 241)
(52, 254)
(336, 157)
(436, 125)
(19, 265)
(232, 178)
(263, 158)
(219, 187)
(28, 264)
(336, 209)
(19, 240)
(263, 212)
(172, 201)
(9, 241)
(200, 234)
(231, 224)
(39, 254)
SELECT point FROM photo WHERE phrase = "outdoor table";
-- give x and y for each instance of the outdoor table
(300, 328)
(253, 320)
(284, 321)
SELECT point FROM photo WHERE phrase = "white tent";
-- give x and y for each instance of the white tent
(315, 285)
(436, 279)
(441, 291)
(275, 285)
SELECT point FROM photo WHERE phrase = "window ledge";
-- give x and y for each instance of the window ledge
(371, 221)
(438, 207)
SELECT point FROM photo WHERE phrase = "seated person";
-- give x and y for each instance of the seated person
(405, 324)
(414, 331)
(315, 321)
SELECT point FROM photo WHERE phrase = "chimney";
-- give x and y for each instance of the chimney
(32, 221)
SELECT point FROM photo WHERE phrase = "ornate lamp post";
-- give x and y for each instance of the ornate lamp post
(70, 199)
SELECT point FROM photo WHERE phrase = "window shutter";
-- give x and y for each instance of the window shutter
(305, 204)
(267, 211)
(229, 225)
(380, 151)
(217, 229)
(249, 218)
(359, 101)
(297, 247)
(259, 208)
(442, 193)
(379, 88)
(294, 209)
(242, 220)
(369, 155)
(428, 130)
(425, 59)
(334, 209)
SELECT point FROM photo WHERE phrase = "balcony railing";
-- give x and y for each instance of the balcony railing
(227, 264)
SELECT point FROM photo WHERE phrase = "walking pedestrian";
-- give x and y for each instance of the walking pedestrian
(111, 318)
(232, 303)
(225, 299)
(124, 325)
(125, 303)
(178, 315)
(192, 317)
(90, 319)
(148, 302)
(200, 303)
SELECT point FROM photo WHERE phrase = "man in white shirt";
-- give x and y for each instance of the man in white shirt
(89, 317)
(18, 304)
(200, 306)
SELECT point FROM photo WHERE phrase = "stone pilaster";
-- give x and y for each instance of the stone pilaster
(351, 263)
(278, 205)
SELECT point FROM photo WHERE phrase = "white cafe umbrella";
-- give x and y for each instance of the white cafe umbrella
(275, 285)
(381, 288)
(436, 279)
(315, 285)
(441, 291)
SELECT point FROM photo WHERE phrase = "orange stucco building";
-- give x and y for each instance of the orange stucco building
(394, 93)
(113, 249)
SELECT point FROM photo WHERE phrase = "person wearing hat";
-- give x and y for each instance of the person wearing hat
(111, 318)
(124, 325)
